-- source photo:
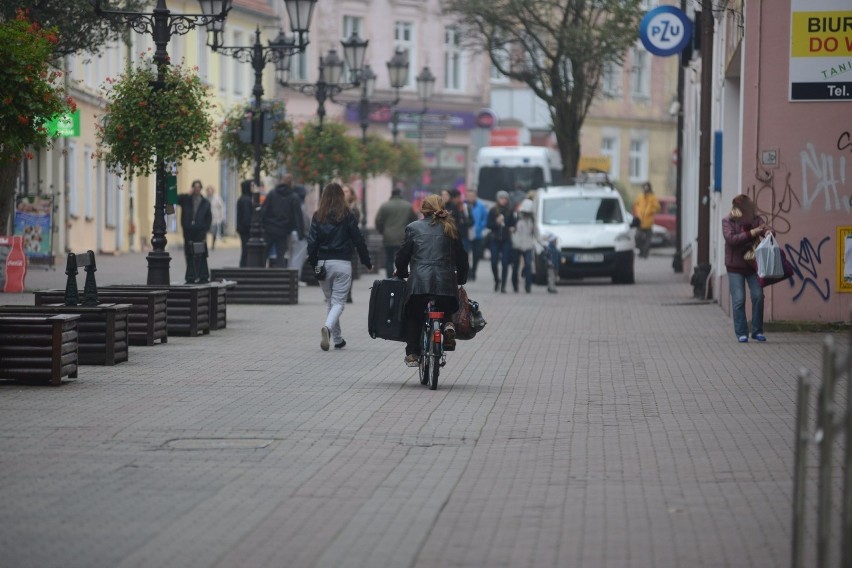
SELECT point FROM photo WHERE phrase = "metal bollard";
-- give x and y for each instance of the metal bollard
(800, 468)
(825, 439)
(72, 295)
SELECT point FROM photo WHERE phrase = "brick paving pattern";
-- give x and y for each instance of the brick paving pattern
(606, 426)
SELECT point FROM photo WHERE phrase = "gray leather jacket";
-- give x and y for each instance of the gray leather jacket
(438, 263)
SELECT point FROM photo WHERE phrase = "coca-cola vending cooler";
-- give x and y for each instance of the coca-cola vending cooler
(13, 264)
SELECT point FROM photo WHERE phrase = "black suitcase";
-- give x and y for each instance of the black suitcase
(386, 314)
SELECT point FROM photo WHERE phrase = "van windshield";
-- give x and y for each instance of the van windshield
(581, 211)
(501, 178)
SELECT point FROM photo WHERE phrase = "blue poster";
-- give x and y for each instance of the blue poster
(34, 222)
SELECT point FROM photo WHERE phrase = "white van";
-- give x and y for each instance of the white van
(515, 169)
(592, 228)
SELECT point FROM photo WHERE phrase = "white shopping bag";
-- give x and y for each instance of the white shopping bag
(768, 257)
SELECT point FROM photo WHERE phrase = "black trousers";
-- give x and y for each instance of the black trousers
(244, 238)
(282, 246)
(390, 254)
(415, 315)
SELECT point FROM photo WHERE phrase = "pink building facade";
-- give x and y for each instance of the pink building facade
(783, 109)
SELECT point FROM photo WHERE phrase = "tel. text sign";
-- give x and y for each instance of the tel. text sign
(821, 50)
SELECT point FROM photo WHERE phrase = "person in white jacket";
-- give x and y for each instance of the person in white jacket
(523, 245)
(217, 210)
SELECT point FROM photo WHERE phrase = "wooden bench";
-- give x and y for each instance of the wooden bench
(102, 329)
(39, 348)
(146, 321)
(261, 285)
(219, 290)
(187, 306)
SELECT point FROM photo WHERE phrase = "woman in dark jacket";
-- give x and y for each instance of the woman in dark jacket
(742, 228)
(434, 261)
(333, 236)
(245, 209)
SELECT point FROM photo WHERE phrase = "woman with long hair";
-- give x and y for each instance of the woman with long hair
(333, 237)
(742, 229)
(434, 261)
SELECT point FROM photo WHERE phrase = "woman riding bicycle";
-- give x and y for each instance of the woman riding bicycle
(432, 247)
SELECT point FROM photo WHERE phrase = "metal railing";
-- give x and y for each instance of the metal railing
(833, 426)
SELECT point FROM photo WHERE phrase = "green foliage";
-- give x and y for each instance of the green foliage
(242, 153)
(377, 157)
(77, 25)
(30, 89)
(143, 122)
(407, 162)
(320, 156)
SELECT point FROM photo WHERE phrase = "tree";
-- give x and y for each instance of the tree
(241, 151)
(76, 24)
(320, 156)
(31, 93)
(143, 123)
(406, 162)
(559, 48)
(377, 157)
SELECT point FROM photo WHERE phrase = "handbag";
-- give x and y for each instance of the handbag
(462, 318)
(789, 271)
(319, 271)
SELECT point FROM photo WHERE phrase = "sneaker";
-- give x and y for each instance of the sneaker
(411, 360)
(325, 338)
(340, 345)
(743, 339)
(759, 337)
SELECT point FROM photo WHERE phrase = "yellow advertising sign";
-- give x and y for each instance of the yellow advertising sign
(821, 34)
(599, 163)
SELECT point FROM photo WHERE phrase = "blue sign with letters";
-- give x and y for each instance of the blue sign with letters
(665, 31)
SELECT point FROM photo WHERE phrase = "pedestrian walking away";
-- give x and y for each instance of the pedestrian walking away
(478, 215)
(281, 214)
(195, 220)
(332, 239)
(392, 218)
(299, 238)
(523, 245)
(501, 223)
(217, 212)
(742, 230)
(433, 260)
(457, 208)
(245, 211)
(647, 205)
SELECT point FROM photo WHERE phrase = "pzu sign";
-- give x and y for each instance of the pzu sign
(665, 31)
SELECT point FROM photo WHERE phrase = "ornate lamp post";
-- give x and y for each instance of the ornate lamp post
(258, 55)
(425, 88)
(161, 24)
(330, 82)
(398, 72)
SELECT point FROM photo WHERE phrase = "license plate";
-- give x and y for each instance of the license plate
(589, 257)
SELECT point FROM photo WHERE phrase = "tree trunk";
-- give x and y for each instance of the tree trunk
(567, 125)
(8, 176)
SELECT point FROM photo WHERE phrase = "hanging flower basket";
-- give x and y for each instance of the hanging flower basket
(239, 149)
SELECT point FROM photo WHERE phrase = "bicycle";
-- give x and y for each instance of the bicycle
(432, 356)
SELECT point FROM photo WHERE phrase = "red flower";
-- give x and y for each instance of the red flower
(23, 119)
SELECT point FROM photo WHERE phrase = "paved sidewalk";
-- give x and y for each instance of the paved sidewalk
(606, 426)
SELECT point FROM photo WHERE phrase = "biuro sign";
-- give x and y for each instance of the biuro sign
(822, 34)
(820, 50)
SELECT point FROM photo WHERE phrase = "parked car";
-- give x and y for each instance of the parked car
(667, 217)
(593, 231)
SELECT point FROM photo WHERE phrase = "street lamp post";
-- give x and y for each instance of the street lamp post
(161, 24)
(330, 81)
(258, 55)
(398, 73)
(425, 88)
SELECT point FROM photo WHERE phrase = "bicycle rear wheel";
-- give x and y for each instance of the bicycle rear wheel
(434, 357)
(425, 359)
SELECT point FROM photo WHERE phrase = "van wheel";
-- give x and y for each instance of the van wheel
(540, 278)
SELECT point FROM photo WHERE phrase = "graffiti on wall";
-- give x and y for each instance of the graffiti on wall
(771, 206)
(823, 180)
(808, 268)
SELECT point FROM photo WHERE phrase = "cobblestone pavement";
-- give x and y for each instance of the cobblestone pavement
(605, 426)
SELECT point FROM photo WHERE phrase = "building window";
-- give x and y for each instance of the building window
(453, 59)
(223, 73)
(239, 84)
(351, 25)
(609, 149)
(88, 183)
(71, 160)
(404, 39)
(203, 55)
(611, 80)
(299, 67)
(638, 160)
(110, 200)
(177, 50)
(640, 77)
